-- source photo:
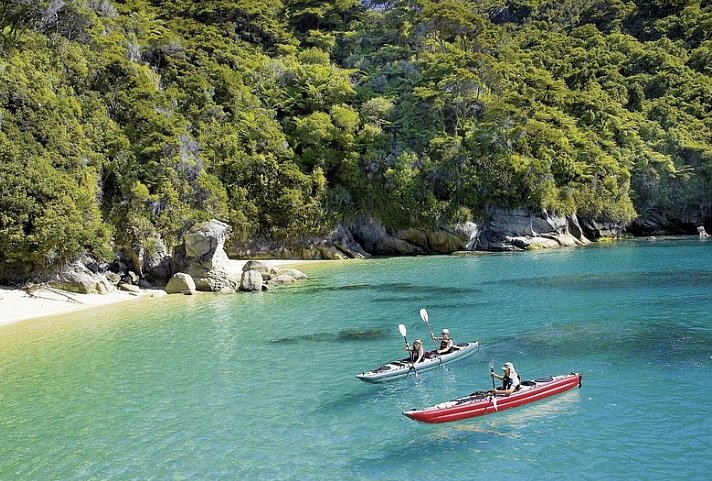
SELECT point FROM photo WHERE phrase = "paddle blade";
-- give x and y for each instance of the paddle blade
(491, 365)
(402, 330)
(424, 315)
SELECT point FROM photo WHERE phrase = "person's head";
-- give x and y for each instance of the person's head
(417, 343)
(446, 333)
(508, 367)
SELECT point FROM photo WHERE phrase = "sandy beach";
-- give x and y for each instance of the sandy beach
(16, 305)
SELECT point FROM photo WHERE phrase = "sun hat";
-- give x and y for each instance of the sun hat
(508, 365)
(446, 331)
(418, 341)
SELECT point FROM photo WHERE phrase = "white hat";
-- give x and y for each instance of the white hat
(508, 365)
(446, 331)
(418, 341)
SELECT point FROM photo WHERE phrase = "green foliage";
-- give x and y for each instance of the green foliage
(120, 121)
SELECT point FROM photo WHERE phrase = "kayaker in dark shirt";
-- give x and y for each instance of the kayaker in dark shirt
(510, 379)
(417, 352)
(445, 342)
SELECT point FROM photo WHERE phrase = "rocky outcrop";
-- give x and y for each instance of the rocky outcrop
(338, 244)
(380, 240)
(153, 263)
(203, 257)
(503, 230)
(653, 222)
(601, 230)
(83, 277)
(519, 229)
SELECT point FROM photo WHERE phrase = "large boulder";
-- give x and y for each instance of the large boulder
(251, 281)
(180, 283)
(204, 258)
(77, 277)
(265, 270)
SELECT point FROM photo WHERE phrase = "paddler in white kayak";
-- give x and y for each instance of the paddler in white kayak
(417, 352)
(445, 342)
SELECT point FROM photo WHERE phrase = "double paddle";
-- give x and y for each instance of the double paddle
(403, 332)
(424, 317)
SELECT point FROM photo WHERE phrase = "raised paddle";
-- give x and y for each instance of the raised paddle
(491, 366)
(403, 332)
(493, 397)
(424, 317)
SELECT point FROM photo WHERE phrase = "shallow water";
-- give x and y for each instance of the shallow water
(262, 387)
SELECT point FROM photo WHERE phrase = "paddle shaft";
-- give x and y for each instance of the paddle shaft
(412, 364)
(424, 317)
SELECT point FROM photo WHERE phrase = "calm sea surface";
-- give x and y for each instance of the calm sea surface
(262, 387)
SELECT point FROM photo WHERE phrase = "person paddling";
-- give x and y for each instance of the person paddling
(417, 352)
(510, 379)
(445, 342)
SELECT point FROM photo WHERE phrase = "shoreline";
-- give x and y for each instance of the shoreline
(17, 306)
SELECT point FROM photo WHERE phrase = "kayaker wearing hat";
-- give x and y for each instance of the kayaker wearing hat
(445, 342)
(510, 379)
(417, 353)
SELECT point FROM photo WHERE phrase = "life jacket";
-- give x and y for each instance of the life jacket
(508, 381)
(415, 354)
(444, 344)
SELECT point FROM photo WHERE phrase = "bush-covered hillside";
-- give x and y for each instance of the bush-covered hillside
(122, 121)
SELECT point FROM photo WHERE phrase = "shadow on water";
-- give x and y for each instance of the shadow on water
(437, 441)
(426, 301)
(621, 280)
(393, 288)
(655, 342)
(344, 335)
(365, 394)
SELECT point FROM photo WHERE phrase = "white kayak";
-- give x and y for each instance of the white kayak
(402, 368)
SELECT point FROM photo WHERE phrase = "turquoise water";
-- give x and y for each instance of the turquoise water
(262, 387)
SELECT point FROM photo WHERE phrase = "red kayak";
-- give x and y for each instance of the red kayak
(482, 402)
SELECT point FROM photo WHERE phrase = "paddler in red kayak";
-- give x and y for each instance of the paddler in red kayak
(510, 379)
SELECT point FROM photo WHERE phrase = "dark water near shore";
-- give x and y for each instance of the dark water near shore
(262, 387)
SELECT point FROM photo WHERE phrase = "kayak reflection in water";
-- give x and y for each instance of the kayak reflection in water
(417, 353)
(510, 379)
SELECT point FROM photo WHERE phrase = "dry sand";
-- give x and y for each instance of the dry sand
(16, 305)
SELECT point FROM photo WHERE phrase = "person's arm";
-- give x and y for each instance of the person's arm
(447, 348)
(504, 391)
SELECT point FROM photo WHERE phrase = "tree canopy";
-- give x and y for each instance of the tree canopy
(123, 121)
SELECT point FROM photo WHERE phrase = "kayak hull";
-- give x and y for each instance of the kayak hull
(401, 369)
(480, 404)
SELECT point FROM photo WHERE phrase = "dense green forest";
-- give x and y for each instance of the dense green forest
(125, 120)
